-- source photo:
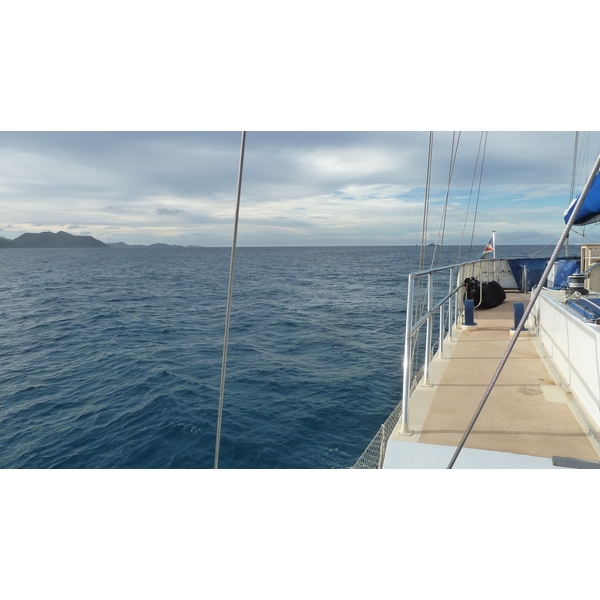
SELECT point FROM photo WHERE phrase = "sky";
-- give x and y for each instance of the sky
(299, 188)
(138, 140)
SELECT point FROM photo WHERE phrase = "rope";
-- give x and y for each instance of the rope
(591, 268)
(229, 295)
(534, 297)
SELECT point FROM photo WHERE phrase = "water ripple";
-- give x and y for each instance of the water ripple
(112, 358)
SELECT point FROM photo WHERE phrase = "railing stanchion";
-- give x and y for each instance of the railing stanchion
(381, 447)
(441, 344)
(450, 322)
(407, 365)
(457, 298)
(429, 331)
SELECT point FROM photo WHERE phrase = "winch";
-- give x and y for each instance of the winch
(576, 285)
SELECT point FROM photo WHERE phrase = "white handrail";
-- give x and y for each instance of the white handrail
(412, 327)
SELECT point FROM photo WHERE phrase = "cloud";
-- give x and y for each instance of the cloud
(374, 191)
(327, 164)
(298, 187)
(170, 212)
(121, 209)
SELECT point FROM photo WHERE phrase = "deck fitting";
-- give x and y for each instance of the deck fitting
(404, 430)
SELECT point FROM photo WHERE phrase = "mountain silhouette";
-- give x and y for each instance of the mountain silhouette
(47, 239)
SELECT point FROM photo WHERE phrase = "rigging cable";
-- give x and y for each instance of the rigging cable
(546, 246)
(229, 296)
(534, 296)
(478, 191)
(585, 237)
(442, 229)
(573, 171)
(421, 298)
(470, 196)
(426, 203)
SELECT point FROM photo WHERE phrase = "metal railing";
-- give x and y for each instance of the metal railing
(445, 310)
(433, 306)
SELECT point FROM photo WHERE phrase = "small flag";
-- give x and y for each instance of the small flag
(488, 249)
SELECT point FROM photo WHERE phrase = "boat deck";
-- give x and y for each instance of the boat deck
(527, 419)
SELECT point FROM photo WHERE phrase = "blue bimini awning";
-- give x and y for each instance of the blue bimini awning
(590, 209)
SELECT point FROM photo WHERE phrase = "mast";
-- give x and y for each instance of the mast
(494, 243)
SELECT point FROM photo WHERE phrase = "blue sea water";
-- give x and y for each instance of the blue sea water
(111, 358)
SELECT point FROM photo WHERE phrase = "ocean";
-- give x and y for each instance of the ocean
(111, 358)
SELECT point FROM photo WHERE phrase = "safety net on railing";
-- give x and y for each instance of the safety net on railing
(372, 457)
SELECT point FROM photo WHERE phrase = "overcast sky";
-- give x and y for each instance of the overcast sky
(429, 66)
(299, 188)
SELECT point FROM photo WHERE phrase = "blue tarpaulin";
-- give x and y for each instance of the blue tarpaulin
(535, 269)
(565, 268)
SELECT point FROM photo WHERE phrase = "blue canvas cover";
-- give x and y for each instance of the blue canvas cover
(590, 209)
(586, 307)
(565, 268)
(535, 270)
(536, 267)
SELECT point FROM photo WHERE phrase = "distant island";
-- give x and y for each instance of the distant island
(156, 245)
(47, 239)
(62, 239)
